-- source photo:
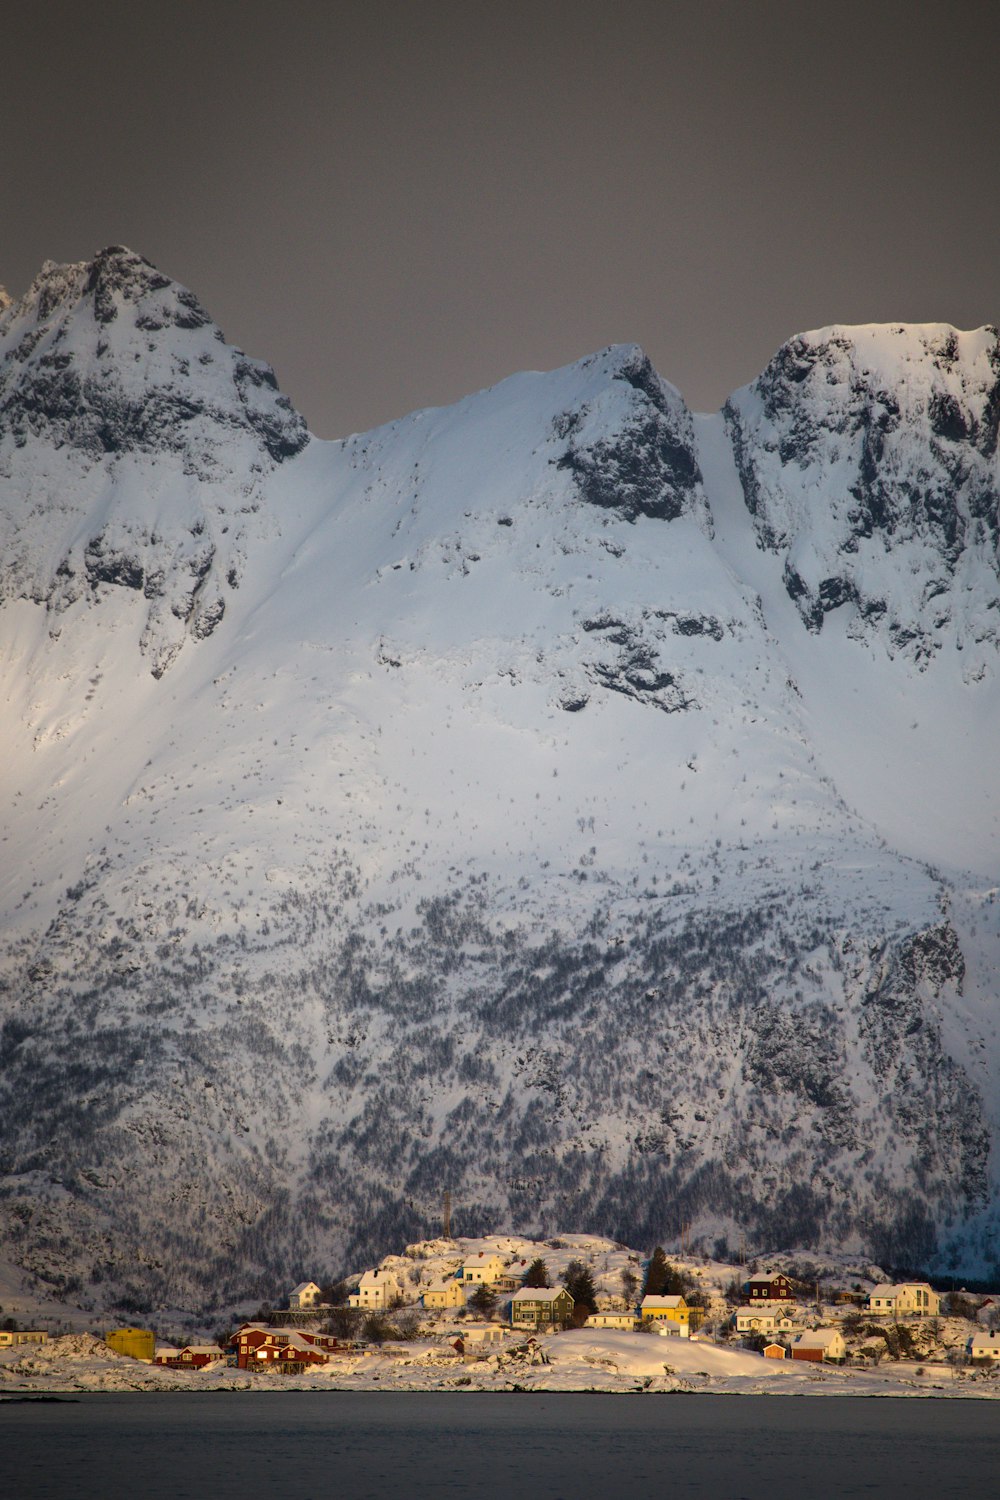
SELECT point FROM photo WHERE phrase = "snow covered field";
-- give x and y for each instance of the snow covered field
(575, 1361)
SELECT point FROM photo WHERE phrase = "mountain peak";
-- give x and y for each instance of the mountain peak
(896, 425)
(110, 356)
(131, 439)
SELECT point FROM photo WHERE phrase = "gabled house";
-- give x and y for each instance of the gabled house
(259, 1347)
(984, 1346)
(774, 1351)
(656, 1309)
(772, 1287)
(512, 1278)
(533, 1305)
(376, 1289)
(482, 1268)
(819, 1345)
(764, 1318)
(450, 1293)
(306, 1294)
(904, 1297)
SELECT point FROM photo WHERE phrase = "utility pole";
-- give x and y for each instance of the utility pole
(446, 1215)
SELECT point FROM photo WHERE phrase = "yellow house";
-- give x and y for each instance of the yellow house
(660, 1309)
(445, 1294)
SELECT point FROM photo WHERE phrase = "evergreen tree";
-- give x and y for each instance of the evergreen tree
(537, 1274)
(580, 1284)
(657, 1269)
(484, 1300)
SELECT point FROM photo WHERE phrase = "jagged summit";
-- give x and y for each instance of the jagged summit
(860, 445)
(132, 439)
(110, 357)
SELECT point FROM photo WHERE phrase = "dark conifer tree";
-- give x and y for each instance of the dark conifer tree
(537, 1274)
(580, 1284)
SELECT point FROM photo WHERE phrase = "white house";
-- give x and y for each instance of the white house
(306, 1294)
(915, 1297)
(984, 1346)
(479, 1336)
(376, 1289)
(820, 1344)
(483, 1268)
(762, 1319)
(668, 1329)
(612, 1319)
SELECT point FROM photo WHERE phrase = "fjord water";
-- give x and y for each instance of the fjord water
(565, 1447)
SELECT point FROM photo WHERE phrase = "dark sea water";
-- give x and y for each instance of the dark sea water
(361, 1446)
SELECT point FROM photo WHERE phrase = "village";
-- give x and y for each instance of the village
(572, 1312)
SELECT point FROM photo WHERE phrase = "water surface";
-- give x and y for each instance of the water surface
(363, 1446)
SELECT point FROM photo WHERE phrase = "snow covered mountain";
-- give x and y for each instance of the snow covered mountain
(557, 798)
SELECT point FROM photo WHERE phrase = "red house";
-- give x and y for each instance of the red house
(770, 1288)
(258, 1347)
(191, 1357)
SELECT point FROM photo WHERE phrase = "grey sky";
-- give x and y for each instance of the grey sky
(399, 203)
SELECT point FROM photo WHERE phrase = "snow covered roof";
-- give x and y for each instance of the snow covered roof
(539, 1294)
(654, 1302)
(818, 1338)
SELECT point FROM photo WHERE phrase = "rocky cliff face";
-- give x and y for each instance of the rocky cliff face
(116, 389)
(489, 829)
(859, 447)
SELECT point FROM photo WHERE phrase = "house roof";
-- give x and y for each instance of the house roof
(370, 1277)
(539, 1294)
(303, 1286)
(653, 1302)
(819, 1338)
(884, 1289)
(769, 1276)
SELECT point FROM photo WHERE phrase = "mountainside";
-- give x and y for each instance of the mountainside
(556, 798)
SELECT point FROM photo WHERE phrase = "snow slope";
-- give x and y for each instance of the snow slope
(473, 803)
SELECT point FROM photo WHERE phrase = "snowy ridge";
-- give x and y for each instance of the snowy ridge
(468, 804)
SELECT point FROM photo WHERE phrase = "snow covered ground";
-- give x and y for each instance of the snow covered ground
(577, 1361)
